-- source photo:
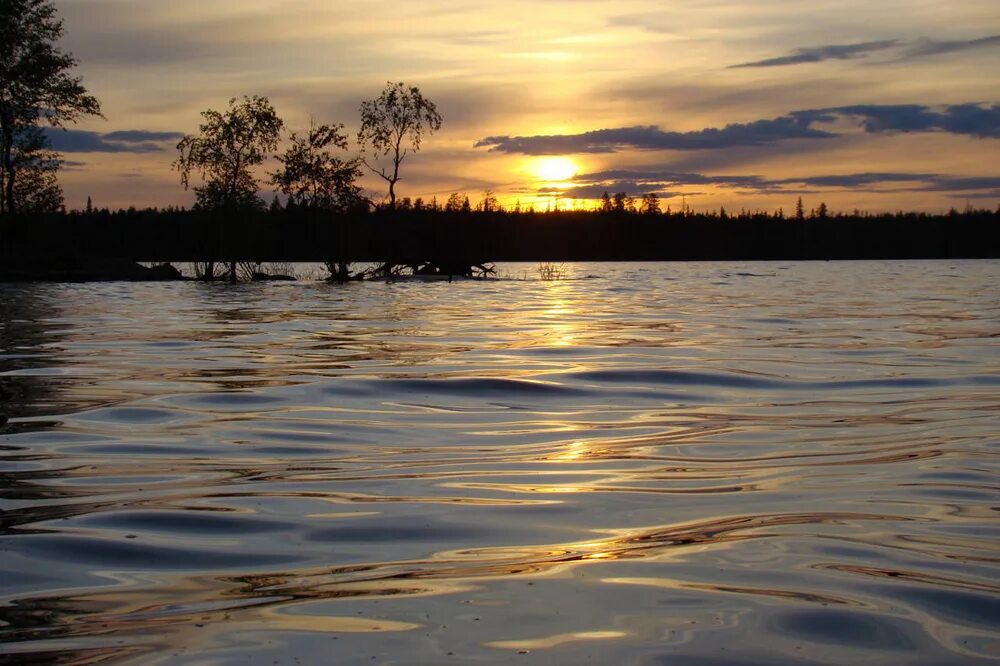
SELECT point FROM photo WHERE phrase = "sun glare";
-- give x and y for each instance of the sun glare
(553, 169)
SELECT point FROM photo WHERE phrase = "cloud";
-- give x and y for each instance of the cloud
(929, 47)
(921, 48)
(593, 185)
(673, 178)
(975, 183)
(821, 53)
(855, 180)
(132, 136)
(122, 141)
(651, 22)
(971, 119)
(631, 188)
(651, 137)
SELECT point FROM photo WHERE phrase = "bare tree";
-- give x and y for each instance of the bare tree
(393, 125)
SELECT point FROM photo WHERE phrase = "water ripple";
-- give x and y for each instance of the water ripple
(659, 464)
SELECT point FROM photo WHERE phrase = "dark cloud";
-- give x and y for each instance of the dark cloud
(995, 194)
(821, 53)
(929, 47)
(959, 184)
(638, 181)
(596, 191)
(927, 182)
(134, 136)
(970, 119)
(855, 180)
(920, 49)
(651, 137)
(672, 178)
(126, 141)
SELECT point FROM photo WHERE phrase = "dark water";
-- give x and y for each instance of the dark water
(684, 464)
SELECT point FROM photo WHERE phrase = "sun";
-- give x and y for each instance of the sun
(553, 169)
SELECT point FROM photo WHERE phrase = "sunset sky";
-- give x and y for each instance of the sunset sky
(877, 105)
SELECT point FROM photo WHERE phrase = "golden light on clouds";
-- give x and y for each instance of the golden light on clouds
(713, 101)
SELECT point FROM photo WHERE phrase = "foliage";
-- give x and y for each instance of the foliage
(36, 189)
(490, 203)
(393, 125)
(229, 144)
(311, 177)
(623, 203)
(650, 204)
(454, 203)
(35, 85)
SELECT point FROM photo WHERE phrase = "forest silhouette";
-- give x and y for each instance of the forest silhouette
(439, 241)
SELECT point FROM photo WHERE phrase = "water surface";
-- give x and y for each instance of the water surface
(706, 463)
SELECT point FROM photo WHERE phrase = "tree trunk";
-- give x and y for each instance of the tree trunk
(11, 204)
(7, 203)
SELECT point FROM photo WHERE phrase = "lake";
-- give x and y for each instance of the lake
(674, 463)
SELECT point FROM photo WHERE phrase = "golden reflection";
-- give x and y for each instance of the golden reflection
(276, 618)
(576, 450)
(556, 640)
(560, 314)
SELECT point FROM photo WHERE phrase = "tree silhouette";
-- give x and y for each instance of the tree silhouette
(35, 85)
(229, 144)
(650, 204)
(394, 124)
(623, 203)
(606, 205)
(800, 212)
(454, 203)
(311, 177)
(490, 203)
(36, 189)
